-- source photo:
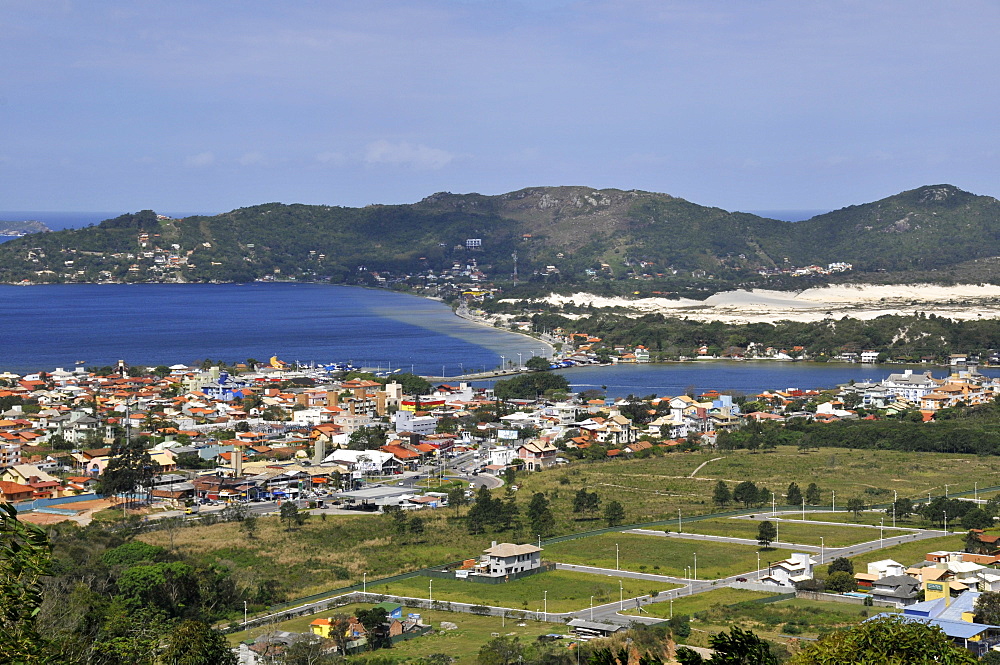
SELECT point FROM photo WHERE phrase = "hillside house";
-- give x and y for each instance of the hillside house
(507, 558)
(786, 573)
(537, 455)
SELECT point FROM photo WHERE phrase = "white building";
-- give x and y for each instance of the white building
(508, 558)
(796, 568)
(909, 386)
(407, 421)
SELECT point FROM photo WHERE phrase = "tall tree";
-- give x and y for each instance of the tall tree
(367, 438)
(25, 557)
(289, 514)
(766, 533)
(813, 497)
(793, 497)
(721, 496)
(840, 564)
(373, 621)
(540, 516)
(746, 493)
(129, 470)
(903, 506)
(856, 505)
(987, 608)
(456, 497)
(614, 513)
(196, 643)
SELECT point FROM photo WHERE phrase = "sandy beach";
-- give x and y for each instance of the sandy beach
(859, 301)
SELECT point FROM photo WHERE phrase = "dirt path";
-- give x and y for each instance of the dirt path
(693, 473)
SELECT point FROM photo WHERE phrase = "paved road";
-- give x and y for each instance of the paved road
(610, 612)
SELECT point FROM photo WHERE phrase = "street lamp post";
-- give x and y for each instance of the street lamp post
(680, 524)
(881, 532)
(834, 508)
(364, 582)
(617, 567)
(591, 608)
(758, 564)
(946, 485)
(621, 596)
(430, 590)
(545, 605)
(696, 565)
(244, 615)
(822, 549)
(945, 520)
(773, 509)
(671, 608)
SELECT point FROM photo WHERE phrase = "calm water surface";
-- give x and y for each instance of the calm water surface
(43, 327)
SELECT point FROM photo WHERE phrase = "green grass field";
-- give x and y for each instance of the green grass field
(793, 532)
(462, 644)
(567, 591)
(700, 602)
(326, 554)
(910, 553)
(780, 622)
(871, 518)
(661, 556)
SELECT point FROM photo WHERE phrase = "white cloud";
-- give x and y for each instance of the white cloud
(407, 154)
(252, 159)
(200, 160)
(332, 158)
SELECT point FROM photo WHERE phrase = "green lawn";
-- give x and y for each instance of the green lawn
(700, 602)
(871, 518)
(794, 532)
(661, 556)
(910, 553)
(567, 591)
(773, 621)
(463, 643)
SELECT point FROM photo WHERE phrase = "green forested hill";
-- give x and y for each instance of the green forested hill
(928, 228)
(584, 234)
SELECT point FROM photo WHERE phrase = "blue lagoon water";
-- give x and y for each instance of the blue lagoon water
(49, 326)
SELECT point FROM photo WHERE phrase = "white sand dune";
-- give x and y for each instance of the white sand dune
(860, 301)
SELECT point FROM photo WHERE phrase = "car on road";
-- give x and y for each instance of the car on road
(741, 579)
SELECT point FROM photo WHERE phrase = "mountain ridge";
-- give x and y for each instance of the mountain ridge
(562, 235)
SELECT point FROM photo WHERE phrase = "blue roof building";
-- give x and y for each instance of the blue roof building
(955, 617)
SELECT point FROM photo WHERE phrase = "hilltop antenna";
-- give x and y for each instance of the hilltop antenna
(515, 266)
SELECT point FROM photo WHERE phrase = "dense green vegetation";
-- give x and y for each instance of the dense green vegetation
(609, 239)
(902, 338)
(93, 596)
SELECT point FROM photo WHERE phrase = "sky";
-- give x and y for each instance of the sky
(208, 106)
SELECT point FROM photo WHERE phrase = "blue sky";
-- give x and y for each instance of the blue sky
(211, 105)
